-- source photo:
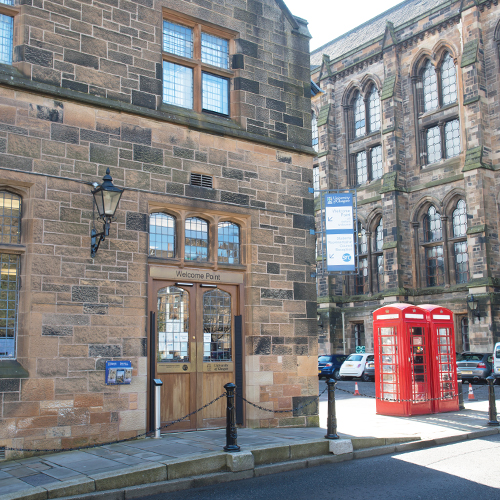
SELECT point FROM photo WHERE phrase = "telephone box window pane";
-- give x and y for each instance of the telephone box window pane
(173, 325)
(216, 326)
(214, 51)
(215, 94)
(161, 235)
(9, 269)
(229, 243)
(177, 85)
(196, 240)
(6, 37)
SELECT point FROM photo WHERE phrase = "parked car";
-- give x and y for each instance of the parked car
(354, 366)
(370, 370)
(474, 366)
(496, 362)
(329, 365)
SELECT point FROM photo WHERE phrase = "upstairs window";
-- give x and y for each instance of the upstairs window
(429, 80)
(161, 235)
(374, 110)
(228, 250)
(359, 116)
(448, 80)
(196, 240)
(195, 67)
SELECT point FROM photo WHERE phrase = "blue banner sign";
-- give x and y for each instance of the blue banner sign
(118, 372)
(339, 225)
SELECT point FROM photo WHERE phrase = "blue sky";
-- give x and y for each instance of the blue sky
(330, 19)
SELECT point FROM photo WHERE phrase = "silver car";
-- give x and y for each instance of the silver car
(474, 366)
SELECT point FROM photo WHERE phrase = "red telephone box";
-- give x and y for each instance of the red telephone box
(443, 358)
(402, 360)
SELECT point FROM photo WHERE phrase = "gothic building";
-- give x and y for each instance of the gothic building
(200, 111)
(408, 116)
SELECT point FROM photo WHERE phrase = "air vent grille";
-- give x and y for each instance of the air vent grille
(201, 180)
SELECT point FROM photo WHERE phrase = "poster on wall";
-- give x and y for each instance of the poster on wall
(118, 372)
(339, 226)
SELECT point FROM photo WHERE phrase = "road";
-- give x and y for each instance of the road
(456, 471)
(368, 389)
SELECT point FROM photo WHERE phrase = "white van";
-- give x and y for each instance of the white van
(496, 360)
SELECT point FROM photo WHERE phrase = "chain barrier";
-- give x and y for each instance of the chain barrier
(97, 445)
(316, 398)
(444, 398)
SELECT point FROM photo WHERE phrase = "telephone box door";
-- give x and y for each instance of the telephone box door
(420, 380)
(443, 358)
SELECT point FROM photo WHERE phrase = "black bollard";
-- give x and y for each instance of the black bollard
(332, 416)
(460, 390)
(492, 414)
(231, 429)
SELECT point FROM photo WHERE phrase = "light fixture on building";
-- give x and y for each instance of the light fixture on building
(106, 199)
(473, 305)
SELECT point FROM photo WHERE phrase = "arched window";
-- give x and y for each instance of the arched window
(448, 80)
(228, 248)
(374, 109)
(365, 156)
(429, 80)
(359, 116)
(315, 135)
(379, 256)
(196, 240)
(10, 229)
(439, 136)
(460, 252)
(434, 256)
(362, 279)
(161, 235)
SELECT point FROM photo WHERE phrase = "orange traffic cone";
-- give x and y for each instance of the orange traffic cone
(471, 392)
(356, 392)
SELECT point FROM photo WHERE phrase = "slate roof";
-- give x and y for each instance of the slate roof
(398, 15)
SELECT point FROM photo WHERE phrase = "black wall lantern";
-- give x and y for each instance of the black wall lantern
(106, 199)
(473, 306)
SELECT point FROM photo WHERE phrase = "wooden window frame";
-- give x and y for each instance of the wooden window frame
(195, 63)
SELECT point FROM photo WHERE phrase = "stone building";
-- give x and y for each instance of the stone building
(201, 112)
(409, 117)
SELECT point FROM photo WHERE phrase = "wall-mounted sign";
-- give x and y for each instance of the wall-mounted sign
(339, 226)
(118, 372)
(191, 274)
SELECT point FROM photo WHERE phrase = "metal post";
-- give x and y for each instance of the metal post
(231, 429)
(157, 384)
(460, 390)
(492, 415)
(332, 417)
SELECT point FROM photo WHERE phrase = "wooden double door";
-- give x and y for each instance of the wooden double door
(193, 326)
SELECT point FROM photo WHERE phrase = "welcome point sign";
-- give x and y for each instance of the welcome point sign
(339, 226)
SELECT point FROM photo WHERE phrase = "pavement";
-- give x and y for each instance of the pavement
(189, 459)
